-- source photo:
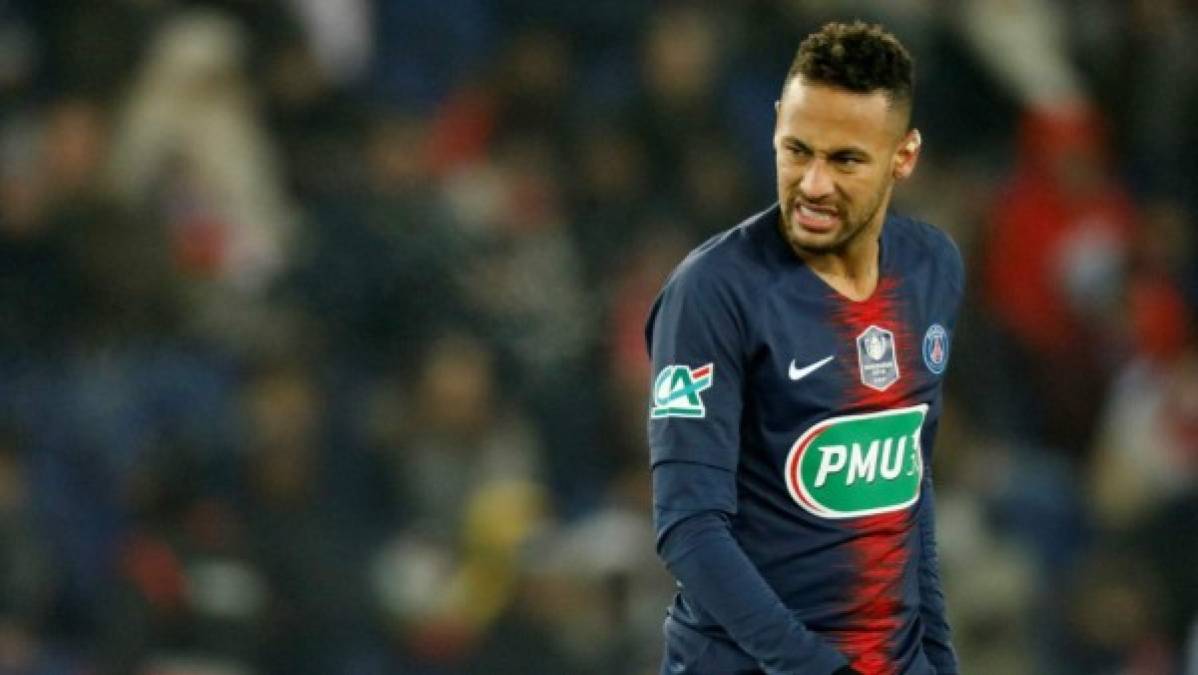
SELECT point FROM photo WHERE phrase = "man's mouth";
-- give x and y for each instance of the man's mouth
(816, 218)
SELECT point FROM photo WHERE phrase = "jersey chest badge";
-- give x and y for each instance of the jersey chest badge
(876, 356)
(935, 348)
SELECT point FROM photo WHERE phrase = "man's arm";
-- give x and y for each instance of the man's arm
(937, 638)
(698, 548)
(697, 326)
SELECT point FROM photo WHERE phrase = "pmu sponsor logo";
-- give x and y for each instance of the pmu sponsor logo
(858, 465)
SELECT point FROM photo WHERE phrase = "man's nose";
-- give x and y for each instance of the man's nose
(817, 180)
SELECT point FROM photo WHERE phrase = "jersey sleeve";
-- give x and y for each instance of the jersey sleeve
(697, 342)
(937, 637)
(956, 274)
(715, 572)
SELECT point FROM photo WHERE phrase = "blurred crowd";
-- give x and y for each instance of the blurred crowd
(321, 323)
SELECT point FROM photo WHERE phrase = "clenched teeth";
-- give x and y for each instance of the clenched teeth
(816, 215)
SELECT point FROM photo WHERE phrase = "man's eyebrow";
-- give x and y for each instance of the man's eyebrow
(791, 140)
(844, 150)
(851, 151)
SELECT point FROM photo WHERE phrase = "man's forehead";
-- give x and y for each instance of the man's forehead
(819, 108)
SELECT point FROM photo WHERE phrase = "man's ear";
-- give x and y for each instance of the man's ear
(908, 155)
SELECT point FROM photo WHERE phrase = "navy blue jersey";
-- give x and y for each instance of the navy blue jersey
(803, 423)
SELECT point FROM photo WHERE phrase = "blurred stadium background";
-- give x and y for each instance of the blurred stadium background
(320, 323)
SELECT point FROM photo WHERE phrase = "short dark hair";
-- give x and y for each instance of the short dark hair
(859, 57)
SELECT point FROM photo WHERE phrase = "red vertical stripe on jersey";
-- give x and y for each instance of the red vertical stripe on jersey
(880, 549)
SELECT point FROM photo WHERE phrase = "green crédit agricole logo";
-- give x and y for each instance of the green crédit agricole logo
(676, 391)
(858, 465)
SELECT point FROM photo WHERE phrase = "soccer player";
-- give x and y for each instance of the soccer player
(798, 360)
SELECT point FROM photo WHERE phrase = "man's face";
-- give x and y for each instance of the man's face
(838, 154)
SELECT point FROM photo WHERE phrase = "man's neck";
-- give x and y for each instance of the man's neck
(852, 272)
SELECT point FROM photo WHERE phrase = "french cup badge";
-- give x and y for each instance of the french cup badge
(876, 356)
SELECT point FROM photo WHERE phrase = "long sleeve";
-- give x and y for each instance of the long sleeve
(696, 338)
(937, 638)
(699, 550)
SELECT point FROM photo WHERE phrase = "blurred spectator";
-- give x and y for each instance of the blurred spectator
(123, 259)
(467, 464)
(1054, 271)
(528, 94)
(311, 556)
(1117, 624)
(460, 433)
(679, 102)
(394, 248)
(187, 589)
(412, 65)
(190, 149)
(39, 279)
(597, 590)
(1138, 57)
(610, 194)
(339, 32)
(523, 284)
(1147, 453)
(523, 277)
(1169, 546)
(1023, 43)
(27, 573)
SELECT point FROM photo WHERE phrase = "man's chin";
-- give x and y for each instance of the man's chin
(814, 243)
(815, 249)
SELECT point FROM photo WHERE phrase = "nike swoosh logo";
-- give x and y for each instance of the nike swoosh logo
(799, 373)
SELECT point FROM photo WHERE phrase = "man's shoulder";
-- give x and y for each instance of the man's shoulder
(925, 238)
(719, 277)
(922, 243)
(733, 257)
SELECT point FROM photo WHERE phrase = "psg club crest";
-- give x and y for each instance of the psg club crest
(935, 348)
(876, 357)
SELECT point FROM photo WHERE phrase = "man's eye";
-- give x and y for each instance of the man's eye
(848, 161)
